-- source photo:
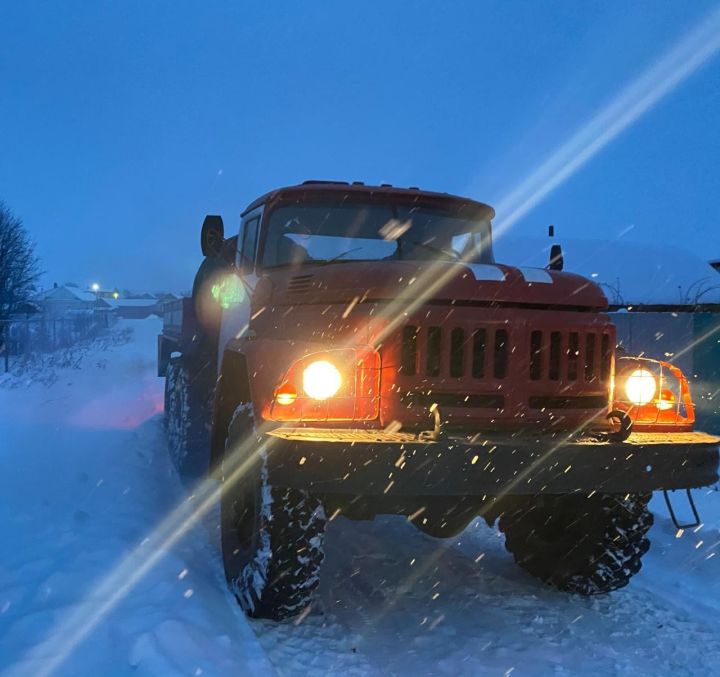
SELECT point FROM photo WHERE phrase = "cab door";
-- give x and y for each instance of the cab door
(235, 299)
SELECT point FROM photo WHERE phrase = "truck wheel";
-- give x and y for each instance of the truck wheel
(587, 546)
(177, 410)
(186, 420)
(272, 537)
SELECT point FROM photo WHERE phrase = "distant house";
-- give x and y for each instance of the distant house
(168, 297)
(27, 309)
(107, 293)
(61, 300)
(134, 309)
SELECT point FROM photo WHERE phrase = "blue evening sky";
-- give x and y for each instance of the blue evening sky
(123, 123)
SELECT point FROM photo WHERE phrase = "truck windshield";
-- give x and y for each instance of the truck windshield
(324, 232)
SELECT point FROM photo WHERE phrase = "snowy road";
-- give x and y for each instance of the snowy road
(85, 480)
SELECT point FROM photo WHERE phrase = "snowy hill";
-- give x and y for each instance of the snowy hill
(86, 486)
(629, 272)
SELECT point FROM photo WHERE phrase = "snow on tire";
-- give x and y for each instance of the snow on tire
(582, 545)
(187, 417)
(272, 537)
(177, 411)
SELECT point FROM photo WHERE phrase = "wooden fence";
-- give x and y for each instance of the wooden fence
(20, 338)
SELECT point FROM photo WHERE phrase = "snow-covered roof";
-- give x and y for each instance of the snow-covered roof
(629, 272)
(66, 293)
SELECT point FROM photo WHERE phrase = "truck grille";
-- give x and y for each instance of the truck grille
(481, 360)
(508, 368)
(565, 360)
(553, 355)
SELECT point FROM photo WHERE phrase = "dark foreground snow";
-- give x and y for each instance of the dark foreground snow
(86, 589)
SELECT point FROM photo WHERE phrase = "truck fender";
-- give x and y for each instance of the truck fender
(233, 388)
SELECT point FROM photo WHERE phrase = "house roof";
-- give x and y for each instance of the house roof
(65, 293)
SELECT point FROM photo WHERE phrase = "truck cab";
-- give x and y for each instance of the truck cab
(374, 357)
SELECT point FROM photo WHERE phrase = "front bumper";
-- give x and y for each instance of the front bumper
(369, 462)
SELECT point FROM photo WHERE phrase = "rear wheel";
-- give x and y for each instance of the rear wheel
(187, 415)
(583, 545)
(272, 537)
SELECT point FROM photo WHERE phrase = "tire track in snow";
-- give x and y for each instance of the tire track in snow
(488, 617)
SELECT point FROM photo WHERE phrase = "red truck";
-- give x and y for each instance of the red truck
(370, 356)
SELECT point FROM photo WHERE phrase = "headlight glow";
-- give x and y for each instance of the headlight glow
(321, 380)
(640, 387)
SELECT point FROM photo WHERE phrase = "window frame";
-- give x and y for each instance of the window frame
(247, 261)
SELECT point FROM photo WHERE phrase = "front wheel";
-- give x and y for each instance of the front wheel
(582, 545)
(272, 537)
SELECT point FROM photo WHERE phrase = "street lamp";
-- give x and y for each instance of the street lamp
(95, 286)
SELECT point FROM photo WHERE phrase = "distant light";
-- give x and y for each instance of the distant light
(116, 295)
(95, 286)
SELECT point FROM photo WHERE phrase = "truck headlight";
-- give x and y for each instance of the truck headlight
(655, 394)
(321, 380)
(640, 387)
(341, 384)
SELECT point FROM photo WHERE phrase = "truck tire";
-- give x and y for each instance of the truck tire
(587, 546)
(186, 420)
(272, 537)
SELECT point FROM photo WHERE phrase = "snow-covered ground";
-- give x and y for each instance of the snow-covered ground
(87, 589)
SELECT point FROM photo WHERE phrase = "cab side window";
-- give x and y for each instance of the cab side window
(248, 246)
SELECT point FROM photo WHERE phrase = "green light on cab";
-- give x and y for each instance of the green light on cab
(228, 292)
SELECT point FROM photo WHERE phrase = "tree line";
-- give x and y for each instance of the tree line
(19, 268)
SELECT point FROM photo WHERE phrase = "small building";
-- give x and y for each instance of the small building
(61, 300)
(134, 309)
(168, 297)
(107, 293)
(26, 309)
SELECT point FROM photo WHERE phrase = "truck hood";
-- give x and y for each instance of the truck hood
(458, 283)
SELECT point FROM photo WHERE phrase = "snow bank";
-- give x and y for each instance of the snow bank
(84, 479)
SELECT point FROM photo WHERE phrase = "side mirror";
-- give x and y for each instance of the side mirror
(557, 262)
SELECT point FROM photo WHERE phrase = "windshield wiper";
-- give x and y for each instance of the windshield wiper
(339, 256)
